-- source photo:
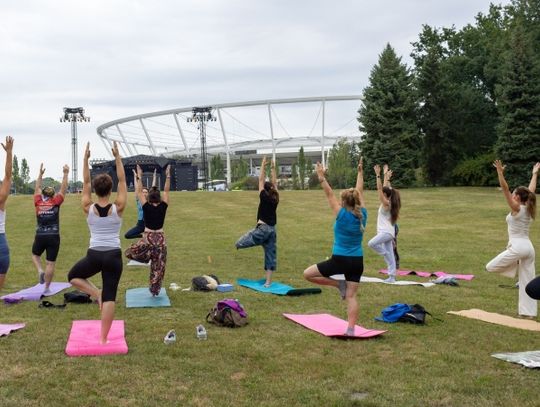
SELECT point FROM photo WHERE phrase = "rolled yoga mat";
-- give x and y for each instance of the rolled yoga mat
(331, 326)
(276, 288)
(84, 339)
(35, 293)
(6, 329)
(142, 298)
(498, 319)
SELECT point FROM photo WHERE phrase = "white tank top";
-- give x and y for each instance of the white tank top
(384, 222)
(518, 224)
(2, 221)
(104, 232)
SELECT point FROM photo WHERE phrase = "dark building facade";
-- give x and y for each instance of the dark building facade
(183, 174)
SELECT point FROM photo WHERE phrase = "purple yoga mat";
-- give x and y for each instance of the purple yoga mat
(35, 293)
(6, 329)
(430, 274)
(332, 326)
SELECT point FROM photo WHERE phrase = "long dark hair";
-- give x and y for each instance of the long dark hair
(395, 202)
(271, 191)
(527, 197)
(154, 197)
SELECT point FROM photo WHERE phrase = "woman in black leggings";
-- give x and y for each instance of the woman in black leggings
(104, 254)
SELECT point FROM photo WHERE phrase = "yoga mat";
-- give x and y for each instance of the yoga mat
(528, 359)
(35, 293)
(332, 326)
(427, 274)
(498, 319)
(276, 288)
(6, 329)
(84, 339)
(365, 279)
(142, 298)
(137, 263)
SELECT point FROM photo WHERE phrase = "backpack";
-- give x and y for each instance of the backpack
(229, 313)
(77, 297)
(417, 315)
(393, 312)
(204, 283)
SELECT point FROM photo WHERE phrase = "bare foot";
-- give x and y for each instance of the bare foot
(104, 342)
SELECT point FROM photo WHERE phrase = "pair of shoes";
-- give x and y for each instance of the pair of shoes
(342, 287)
(41, 277)
(391, 279)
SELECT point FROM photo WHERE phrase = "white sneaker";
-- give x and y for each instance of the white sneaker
(201, 333)
(170, 337)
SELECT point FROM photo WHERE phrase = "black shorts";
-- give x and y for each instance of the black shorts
(51, 243)
(351, 266)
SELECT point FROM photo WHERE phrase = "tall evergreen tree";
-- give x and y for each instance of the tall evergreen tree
(294, 176)
(342, 162)
(25, 175)
(17, 181)
(302, 168)
(217, 171)
(388, 119)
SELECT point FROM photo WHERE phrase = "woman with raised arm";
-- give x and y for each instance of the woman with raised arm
(104, 254)
(387, 217)
(4, 193)
(152, 246)
(47, 203)
(347, 254)
(519, 255)
(264, 233)
(136, 231)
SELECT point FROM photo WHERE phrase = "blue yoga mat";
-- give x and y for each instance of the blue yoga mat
(142, 298)
(275, 287)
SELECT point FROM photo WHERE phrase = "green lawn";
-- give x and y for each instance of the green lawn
(272, 361)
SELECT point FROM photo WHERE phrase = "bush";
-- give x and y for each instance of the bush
(476, 171)
(246, 184)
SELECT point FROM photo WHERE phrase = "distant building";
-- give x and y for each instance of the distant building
(183, 173)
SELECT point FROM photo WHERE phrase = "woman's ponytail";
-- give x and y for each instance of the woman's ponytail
(531, 204)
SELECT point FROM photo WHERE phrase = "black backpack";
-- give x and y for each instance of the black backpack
(417, 315)
(78, 297)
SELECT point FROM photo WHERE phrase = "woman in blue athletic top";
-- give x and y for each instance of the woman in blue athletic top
(347, 255)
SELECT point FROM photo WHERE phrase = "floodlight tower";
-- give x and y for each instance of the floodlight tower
(202, 115)
(74, 115)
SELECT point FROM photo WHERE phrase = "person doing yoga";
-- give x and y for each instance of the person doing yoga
(152, 246)
(264, 233)
(387, 217)
(347, 254)
(104, 254)
(47, 203)
(4, 193)
(519, 255)
(136, 231)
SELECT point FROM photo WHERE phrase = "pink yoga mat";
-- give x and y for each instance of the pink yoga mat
(430, 274)
(329, 325)
(6, 329)
(35, 293)
(84, 339)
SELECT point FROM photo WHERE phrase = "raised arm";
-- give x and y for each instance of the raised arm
(360, 181)
(64, 185)
(86, 199)
(274, 176)
(139, 187)
(534, 177)
(382, 198)
(121, 190)
(262, 174)
(154, 178)
(514, 206)
(39, 180)
(332, 201)
(167, 186)
(135, 184)
(387, 174)
(6, 184)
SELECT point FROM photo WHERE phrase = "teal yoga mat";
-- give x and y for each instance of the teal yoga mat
(142, 298)
(276, 288)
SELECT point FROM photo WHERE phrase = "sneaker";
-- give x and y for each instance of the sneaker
(170, 337)
(41, 277)
(201, 333)
(342, 287)
(391, 279)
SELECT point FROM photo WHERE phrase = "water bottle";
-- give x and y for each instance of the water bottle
(170, 337)
(201, 333)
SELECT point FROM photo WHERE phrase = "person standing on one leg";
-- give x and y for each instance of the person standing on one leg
(4, 193)
(264, 233)
(152, 247)
(347, 254)
(47, 204)
(104, 254)
(136, 231)
(519, 255)
(387, 217)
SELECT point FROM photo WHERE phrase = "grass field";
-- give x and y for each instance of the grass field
(272, 361)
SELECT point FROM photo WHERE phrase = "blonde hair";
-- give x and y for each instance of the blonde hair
(351, 198)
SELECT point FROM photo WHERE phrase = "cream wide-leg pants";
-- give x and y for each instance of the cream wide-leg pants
(518, 258)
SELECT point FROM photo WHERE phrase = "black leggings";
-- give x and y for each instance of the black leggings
(533, 288)
(109, 263)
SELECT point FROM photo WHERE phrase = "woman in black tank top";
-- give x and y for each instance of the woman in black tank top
(152, 247)
(264, 233)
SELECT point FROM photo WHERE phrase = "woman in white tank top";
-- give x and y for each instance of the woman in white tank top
(4, 193)
(519, 256)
